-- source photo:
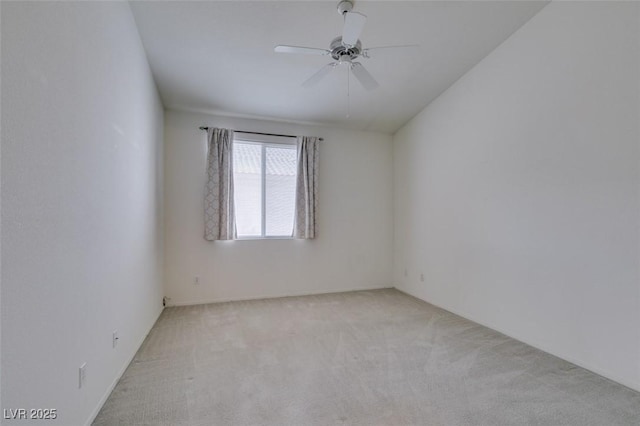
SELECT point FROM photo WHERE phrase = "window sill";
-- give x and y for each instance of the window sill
(263, 238)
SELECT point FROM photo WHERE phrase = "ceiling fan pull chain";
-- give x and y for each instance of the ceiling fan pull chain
(348, 90)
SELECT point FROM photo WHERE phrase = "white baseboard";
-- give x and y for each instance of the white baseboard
(113, 384)
(267, 296)
(607, 375)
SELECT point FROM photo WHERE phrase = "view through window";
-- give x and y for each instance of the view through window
(264, 188)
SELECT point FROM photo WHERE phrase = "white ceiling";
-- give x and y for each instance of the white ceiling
(218, 56)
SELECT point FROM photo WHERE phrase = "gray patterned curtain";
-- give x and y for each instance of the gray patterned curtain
(306, 188)
(219, 218)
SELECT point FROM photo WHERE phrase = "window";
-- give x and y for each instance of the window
(264, 173)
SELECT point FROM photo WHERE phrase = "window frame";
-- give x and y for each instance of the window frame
(265, 141)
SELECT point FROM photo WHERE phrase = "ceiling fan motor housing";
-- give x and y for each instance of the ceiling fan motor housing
(338, 49)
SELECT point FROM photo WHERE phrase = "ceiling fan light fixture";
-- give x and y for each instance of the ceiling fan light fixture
(345, 59)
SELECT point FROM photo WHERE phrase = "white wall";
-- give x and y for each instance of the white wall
(352, 250)
(516, 191)
(81, 202)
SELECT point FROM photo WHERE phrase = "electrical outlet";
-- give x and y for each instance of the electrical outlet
(115, 338)
(82, 375)
(196, 280)
(422, 277)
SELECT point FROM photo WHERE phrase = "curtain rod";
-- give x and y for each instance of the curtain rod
(258, 133)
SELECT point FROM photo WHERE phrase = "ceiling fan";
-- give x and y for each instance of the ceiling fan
(343, 49)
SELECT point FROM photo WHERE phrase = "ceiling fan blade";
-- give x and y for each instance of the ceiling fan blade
(302, 50)
(365, 52)
(353, 26)
(314, 79)
(363, 76)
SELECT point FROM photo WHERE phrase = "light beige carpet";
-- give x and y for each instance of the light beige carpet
(361, 358)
